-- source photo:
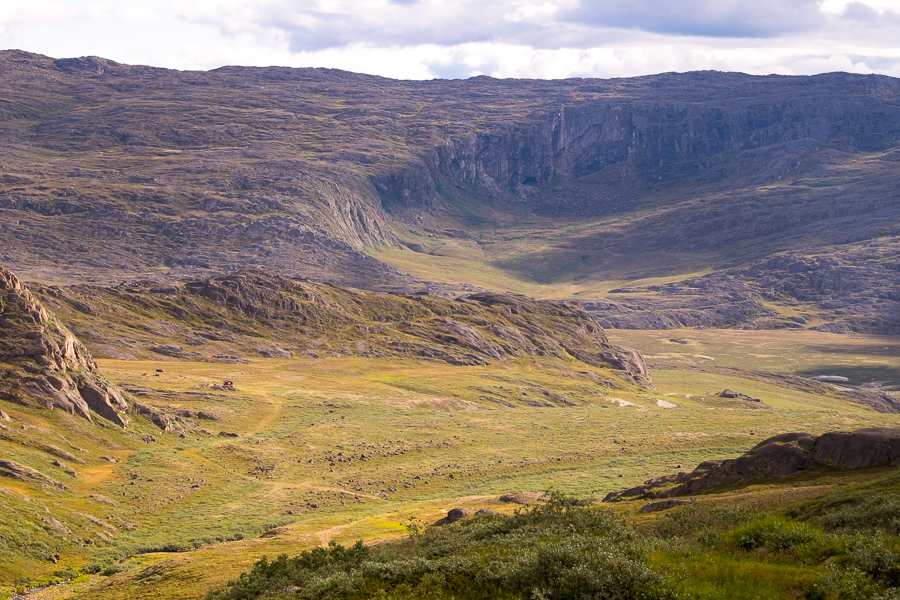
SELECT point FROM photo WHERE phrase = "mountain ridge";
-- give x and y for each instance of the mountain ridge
(145, 173)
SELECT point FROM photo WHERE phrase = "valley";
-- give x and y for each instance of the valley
(206, 480)
(253, 311)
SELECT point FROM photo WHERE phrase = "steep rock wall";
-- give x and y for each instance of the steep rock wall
(43, 365)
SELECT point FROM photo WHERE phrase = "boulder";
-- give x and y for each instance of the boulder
(726, 393)
(160, 419)
(778, 457)
(453, 515)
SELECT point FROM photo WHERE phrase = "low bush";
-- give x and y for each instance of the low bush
(695, 520)
(118, 568)
(556, 551)
(876, 514)
(802, 541)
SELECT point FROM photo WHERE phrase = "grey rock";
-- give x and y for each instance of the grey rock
(778, 457)
(661, 505)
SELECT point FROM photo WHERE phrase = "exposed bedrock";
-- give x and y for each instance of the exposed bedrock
(778, 457)
(43, 365)
(254, 313)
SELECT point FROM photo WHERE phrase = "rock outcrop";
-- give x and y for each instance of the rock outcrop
(731, 394)
(778, 457)
(14, 470)
(851, 289)
(42, 364)
(254, 313)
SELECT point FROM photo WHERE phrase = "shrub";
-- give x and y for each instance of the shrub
(837, 584)
(695, 520)
(776, 534)
(556, 551)
(877, 514)
(67, 573)
(879, 558)
(95, 567)
(118, 568)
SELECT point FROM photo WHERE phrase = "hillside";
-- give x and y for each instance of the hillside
(114, 172)
(260, 311)
(349, 412)
(255, 314)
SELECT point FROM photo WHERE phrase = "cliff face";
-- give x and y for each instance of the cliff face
(170, 174)
(43, 365)
(722, 128)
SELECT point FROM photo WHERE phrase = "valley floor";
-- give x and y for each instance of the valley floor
(307, 451)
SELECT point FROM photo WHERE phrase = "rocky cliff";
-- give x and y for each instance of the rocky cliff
(167, 174)
(258, 314)
(43, 365)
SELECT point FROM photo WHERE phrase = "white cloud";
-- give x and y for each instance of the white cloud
(460, 38)
(532, 12)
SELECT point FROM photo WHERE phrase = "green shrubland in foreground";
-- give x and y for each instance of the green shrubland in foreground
(840, 546)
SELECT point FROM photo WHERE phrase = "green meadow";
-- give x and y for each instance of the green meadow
(307, 451)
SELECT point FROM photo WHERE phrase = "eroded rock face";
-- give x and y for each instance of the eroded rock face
(43, 365)
(777, 457)
(299, 317)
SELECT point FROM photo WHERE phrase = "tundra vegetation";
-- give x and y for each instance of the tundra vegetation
(428, 297)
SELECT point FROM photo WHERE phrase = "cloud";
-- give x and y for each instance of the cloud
(459, 38)
(711, 18)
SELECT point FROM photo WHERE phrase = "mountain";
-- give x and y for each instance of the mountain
(114, 172)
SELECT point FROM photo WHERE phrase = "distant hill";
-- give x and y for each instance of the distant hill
(113, 172)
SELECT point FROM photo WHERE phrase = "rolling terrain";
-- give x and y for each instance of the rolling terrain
(259, 310)
(557, 189)
(203, 480)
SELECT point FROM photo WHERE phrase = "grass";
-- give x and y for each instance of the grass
(432, 438)
(708, 549)
(866, 360)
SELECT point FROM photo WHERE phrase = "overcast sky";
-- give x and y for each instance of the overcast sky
(423, 39)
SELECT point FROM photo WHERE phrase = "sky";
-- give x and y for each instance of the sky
(425, 39)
